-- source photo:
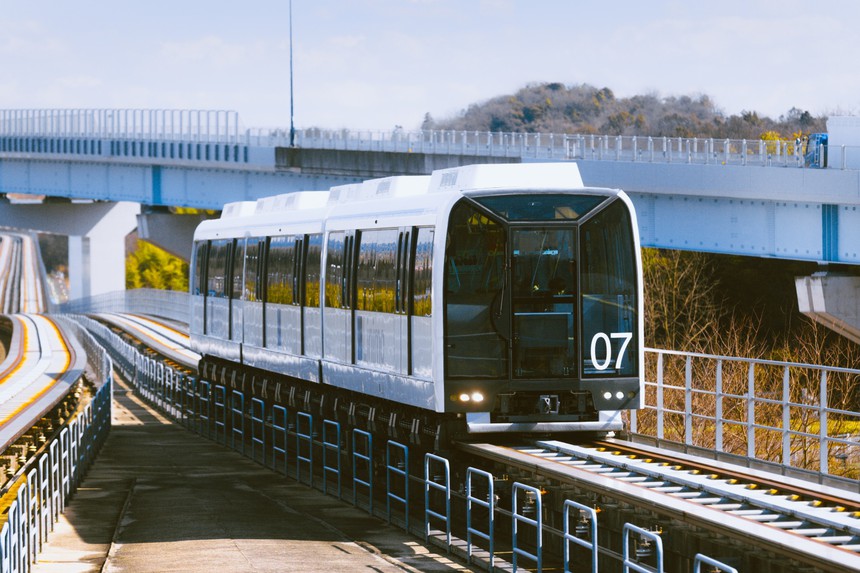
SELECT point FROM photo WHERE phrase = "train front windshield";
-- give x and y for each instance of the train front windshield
(540, 287)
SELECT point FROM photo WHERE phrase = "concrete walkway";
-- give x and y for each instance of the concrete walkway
(185, 503)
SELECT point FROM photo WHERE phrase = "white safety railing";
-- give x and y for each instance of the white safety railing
(48, 479)
(33, 131)
(198, 126)
(785, 414)
(173, 305)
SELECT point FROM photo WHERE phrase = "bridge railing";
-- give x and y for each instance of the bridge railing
(133, 133)
(790, 417)
(173, 305)
(549, 146)
(216, 126)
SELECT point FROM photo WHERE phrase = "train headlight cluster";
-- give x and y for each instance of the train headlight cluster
(476, 397)
(618, 395)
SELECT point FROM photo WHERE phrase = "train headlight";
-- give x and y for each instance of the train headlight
(607, 395)
(477, 397)
(464, 397)
(619, 395)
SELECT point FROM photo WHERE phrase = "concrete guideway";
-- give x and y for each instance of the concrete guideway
(160, 498)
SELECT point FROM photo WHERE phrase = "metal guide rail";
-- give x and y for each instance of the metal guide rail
(820, 531)
(40, 370)
(21, 287)
(48, 471)
(159, 336)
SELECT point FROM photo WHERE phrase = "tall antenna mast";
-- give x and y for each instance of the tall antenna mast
(292, 107)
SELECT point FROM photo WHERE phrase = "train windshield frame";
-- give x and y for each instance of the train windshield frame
(540, 286)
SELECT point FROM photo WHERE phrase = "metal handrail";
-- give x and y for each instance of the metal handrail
(33, 130)
(770, 410)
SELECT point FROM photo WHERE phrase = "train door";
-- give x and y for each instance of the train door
(217, 288)
(283, 300)
(339, 297)
(380, 310)
(198, 287)
(254, 316)
(402, 300)
(237, 279)
(311, 311)
(420, 360)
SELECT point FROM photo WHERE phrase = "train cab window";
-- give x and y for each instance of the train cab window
(238, 270)
(475, 337)
(219, 254)
(423, 274)
(312, 270)
(375, 275)
(609, 293)
(281, 266)
(198, 281)
(541, 206)
(543, 279)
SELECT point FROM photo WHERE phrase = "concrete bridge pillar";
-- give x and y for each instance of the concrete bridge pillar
(832, 301)
(96, 234)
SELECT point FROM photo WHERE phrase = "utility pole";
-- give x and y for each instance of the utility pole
(292, 107)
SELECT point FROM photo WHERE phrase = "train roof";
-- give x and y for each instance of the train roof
(507, 176)
(420, 193)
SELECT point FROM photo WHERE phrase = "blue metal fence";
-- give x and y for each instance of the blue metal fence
(527, 532)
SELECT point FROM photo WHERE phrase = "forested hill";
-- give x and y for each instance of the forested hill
(585, 109)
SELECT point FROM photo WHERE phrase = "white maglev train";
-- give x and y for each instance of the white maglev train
(487, 298)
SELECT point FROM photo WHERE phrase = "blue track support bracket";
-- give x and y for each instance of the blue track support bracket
(219, 397)
(532, 504)
(258, 429)
(830, 232)
(203, 408)
(330, 427)
(397, 466)
(489, 503)
(237, 421)
(279, 436)
(305, 420)
(431, 482)
(365, 439)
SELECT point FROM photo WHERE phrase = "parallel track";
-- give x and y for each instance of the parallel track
(812, 526)
(161, 337)
(42, 366)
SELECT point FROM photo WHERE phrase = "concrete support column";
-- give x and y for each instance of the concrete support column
(832, 301)
(79, 267)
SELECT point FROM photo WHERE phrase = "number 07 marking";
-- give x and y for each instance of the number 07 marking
(607, 342)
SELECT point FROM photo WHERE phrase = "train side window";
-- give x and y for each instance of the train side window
(237, 273)
(216, 278)
(334, 276)
(313, 253)
(252, 268)
(423, 273)
(281, 265)
(375, 278)
(199, 280)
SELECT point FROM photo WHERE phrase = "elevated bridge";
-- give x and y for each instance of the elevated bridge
(752, 198)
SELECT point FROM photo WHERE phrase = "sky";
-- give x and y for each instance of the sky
(378, 64)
